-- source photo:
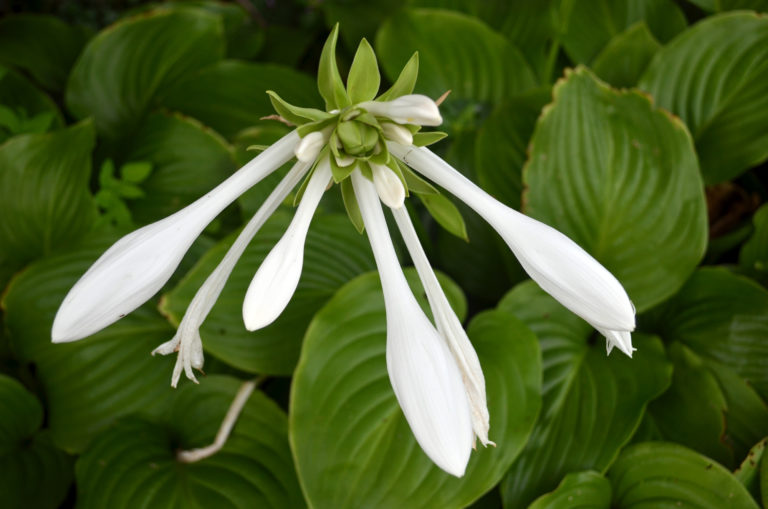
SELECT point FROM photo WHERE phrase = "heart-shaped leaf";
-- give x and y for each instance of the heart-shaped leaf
(625, 57)
(134, 462)
(35, 473)
(715, 78)
(350, 439)
(593, 403)
(621, 179)
(334, 253)
(587, 490)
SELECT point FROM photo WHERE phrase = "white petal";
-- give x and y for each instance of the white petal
(310, 145)
(188, 332)
(555, 262)
(344, 161)
(407, 109)
(397, 133)
(139, 264)
(620, 339)
(388, 186)
(275, 282)
(423, 373)
(449, 327)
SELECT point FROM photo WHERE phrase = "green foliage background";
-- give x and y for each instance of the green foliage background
(637, 127)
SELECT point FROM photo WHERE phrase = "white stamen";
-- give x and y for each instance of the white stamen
(278, 276)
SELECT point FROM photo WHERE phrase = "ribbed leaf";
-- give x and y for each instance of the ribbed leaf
(352, 445)
(625, 57)
(754, 252)
(43, 46)
(35, 473)
(456, 52)
(334, 254)
(593, 403)
(133, 464)
(187, 159)
(658, 474)
(91, 382)
(231, 96)
(585, 490)
(44, 180)
(621, 179)
(29, 104)
(124, 69)
(715, 78)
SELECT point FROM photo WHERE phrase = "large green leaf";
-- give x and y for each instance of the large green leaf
(352, 445)
(126, 67)
(456, 53)
(692, 412)
(43, 46)
(625, 57)
(187, 159)
(754, 252)
(715, 78)
(32, 109)
(585, 490)
(588, 26)
(44, 197)
(659, 474)
(35, 474)
(593, 403)
(87, 384)
(621, 179)
(502, 146)
(133, 464)
(231, 96)
(334, 254)
(730, 5)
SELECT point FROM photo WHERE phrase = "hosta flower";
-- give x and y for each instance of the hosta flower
(372, 148)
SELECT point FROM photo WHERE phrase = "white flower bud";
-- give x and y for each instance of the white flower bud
(397, 133)
(407, 109)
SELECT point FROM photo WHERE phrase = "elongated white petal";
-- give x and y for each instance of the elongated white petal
(620, 339)
(397, 133)
(275, 282)
(423, 373)
(407, 109)
(388, 186)
(139, 264)
(449, 327)
(310, 145)
(187, 340)
(559, 265)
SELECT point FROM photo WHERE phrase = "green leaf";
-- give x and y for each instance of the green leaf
(502, 146)
(135, 172)
(351, 205)
(23, 98)
(44, 180)
(606, 19)
(134, 462)
(658, 474)
(349, 437)
(35, 473)
(295, 114)
(358, 19)
(427, 138)
(754, 252)
(593, 402)
(715, 78)
(405, 82)
(587, 490)
(730, 5)
(445, 213)
(413, 182)
(334, 254)
(43, 46)
(532, 27)
(230, 96)
(188, 160)
(748, 472)
(456, 52)
(88, 383)
(328, 78)
(364, 79)
(625, 57)
(692, 411)
(125, 69)
(621, 179)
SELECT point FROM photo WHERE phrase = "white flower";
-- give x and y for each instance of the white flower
(407, 109)
(397, 133)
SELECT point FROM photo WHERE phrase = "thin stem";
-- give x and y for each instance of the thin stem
(241, 398)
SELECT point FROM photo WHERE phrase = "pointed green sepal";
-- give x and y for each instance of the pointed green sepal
(340, 173)
(350, 203)
(428, 138)
(415, 183)
(364, 78)
(383, 156)
(329, 81)
(295, 114)
(365, 170)
(405, 83)
(446, 214)
(317, 125)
